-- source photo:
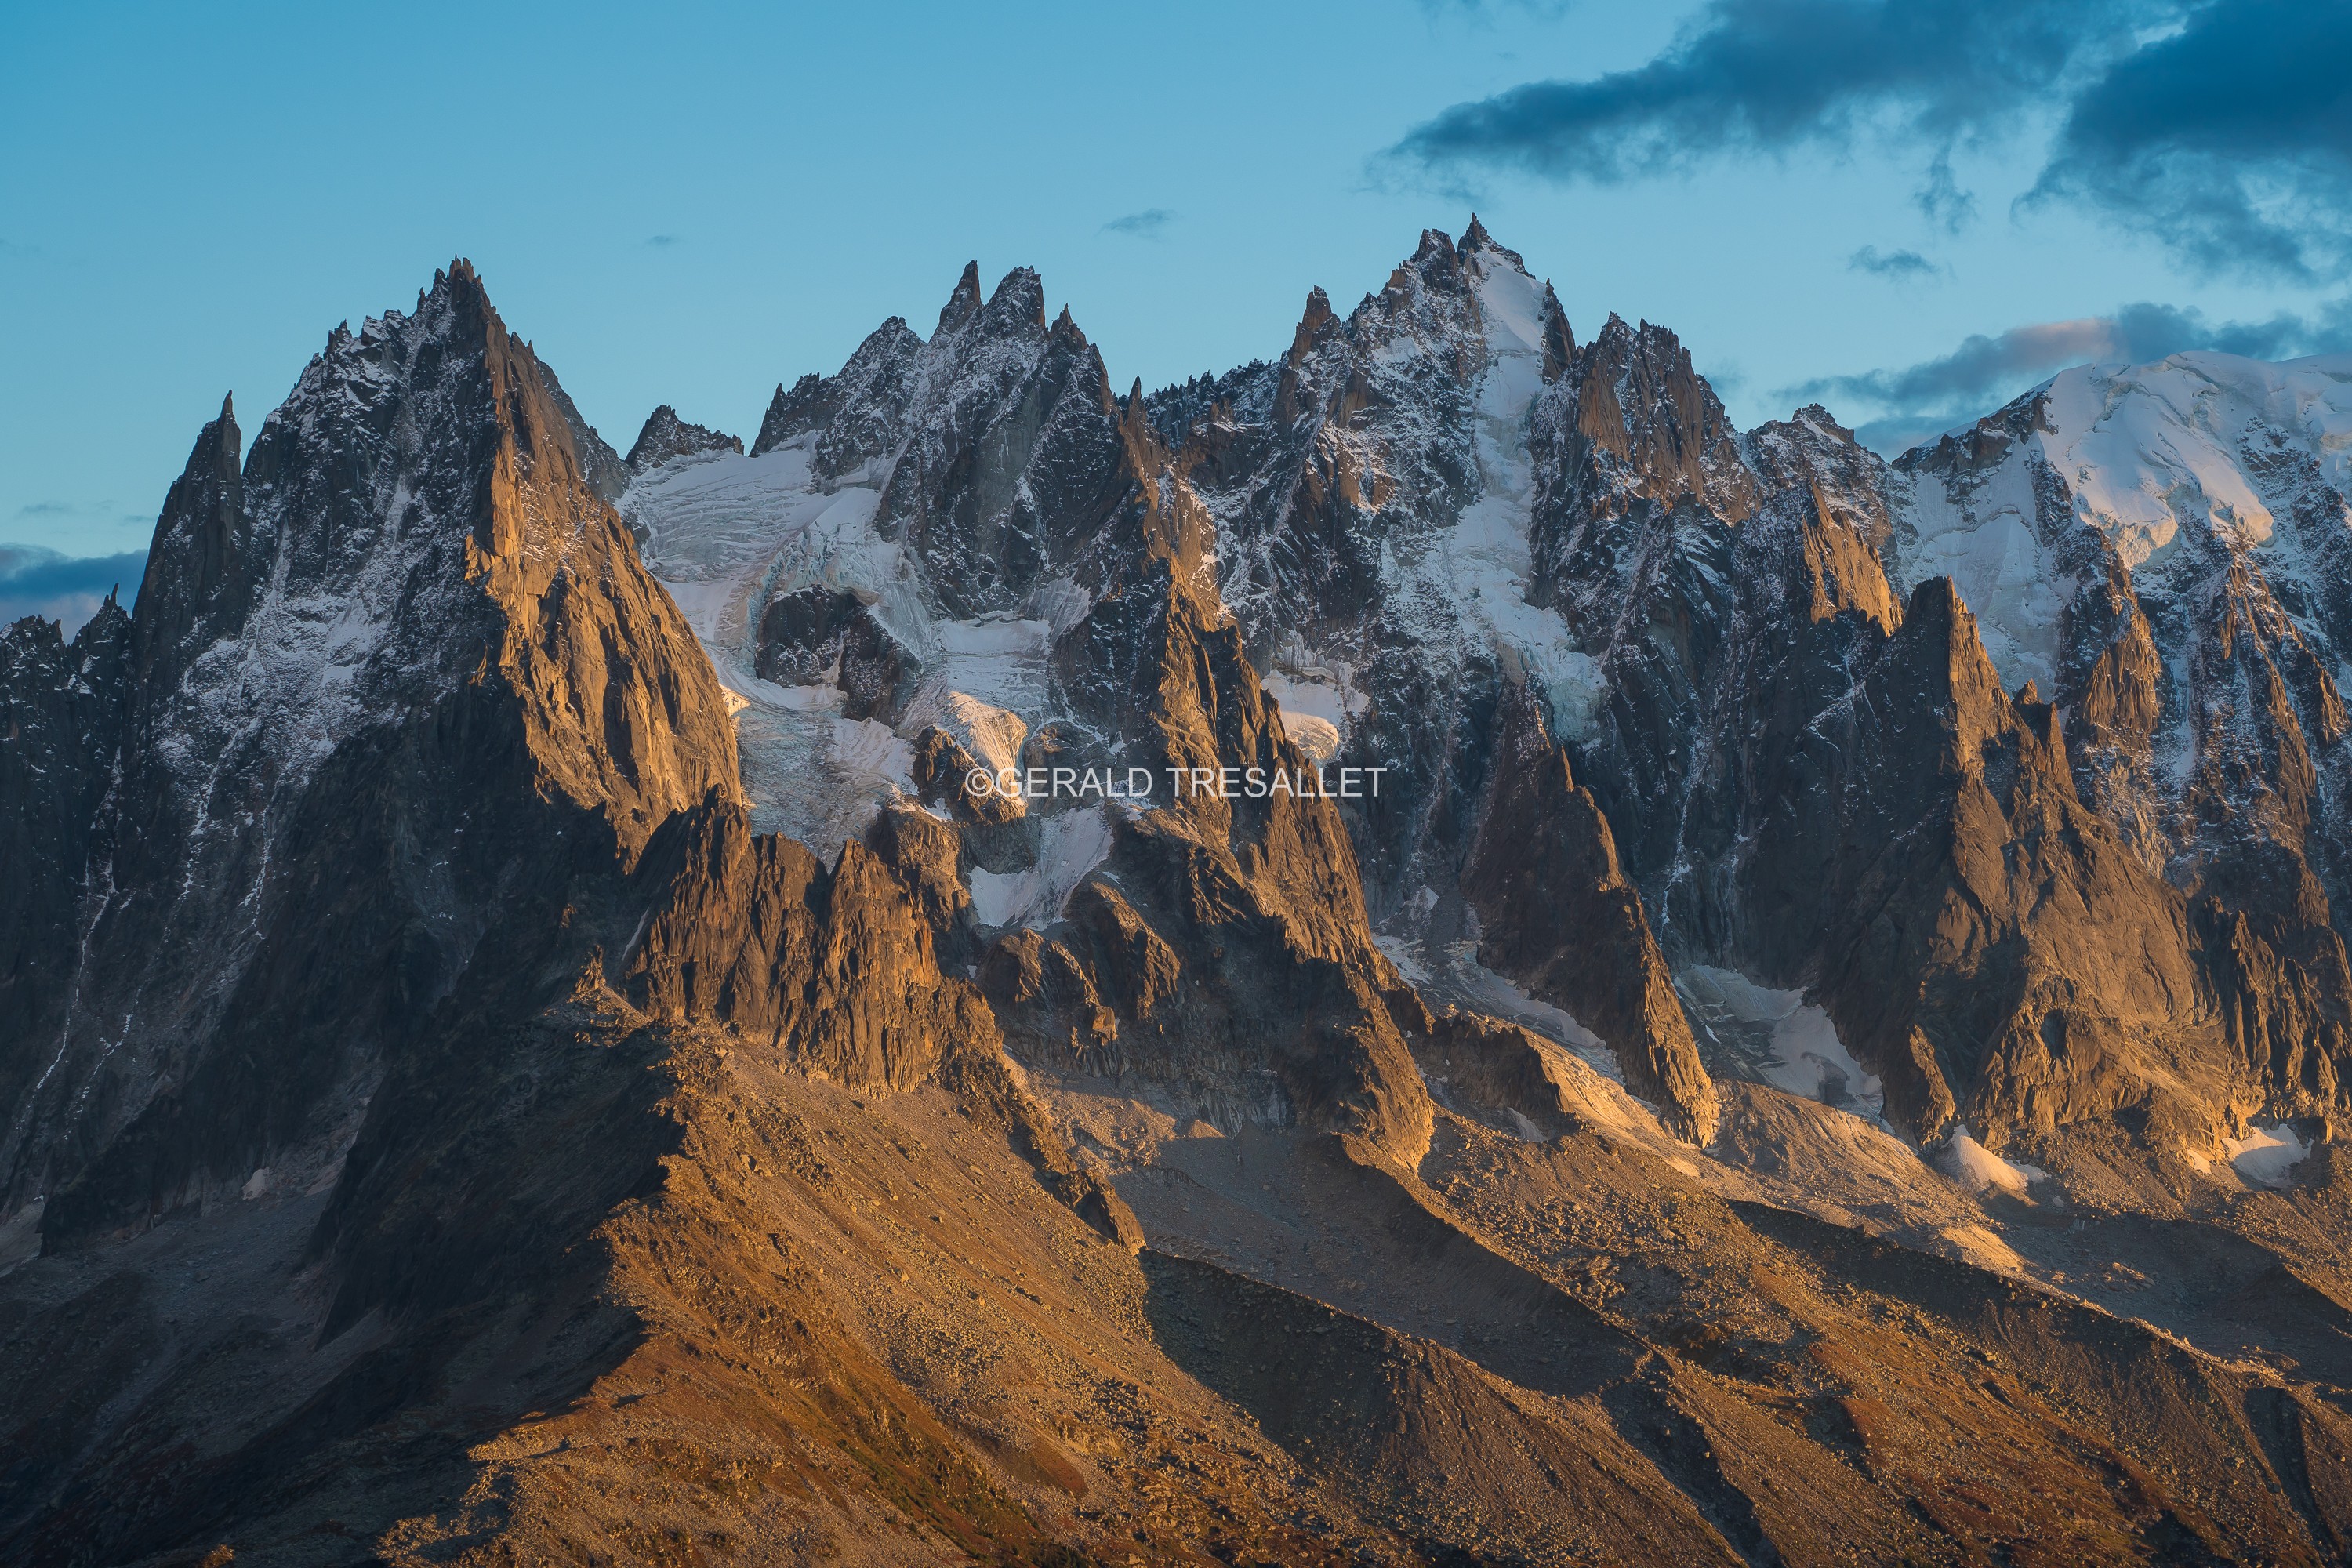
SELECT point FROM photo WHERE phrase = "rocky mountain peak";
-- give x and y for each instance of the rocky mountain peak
(666, 438)
(1316, 322)
(198, 565)
(405, 626)
(857, 409)
(1639, 399)
(1318, 326)
(1475, 239)
(1018, 302)
(963, 303)
(1434, 267)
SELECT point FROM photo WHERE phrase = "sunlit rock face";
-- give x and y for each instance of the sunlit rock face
(2165, 552)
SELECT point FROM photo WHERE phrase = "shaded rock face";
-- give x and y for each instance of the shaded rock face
(818, 634)
(400, 666)
(1999, 948)
(666, 438)
(604, 470)
(63, 719)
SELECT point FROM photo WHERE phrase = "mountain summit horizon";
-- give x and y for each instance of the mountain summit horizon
(564, 1007)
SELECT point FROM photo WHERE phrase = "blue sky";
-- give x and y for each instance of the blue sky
(1826, 198)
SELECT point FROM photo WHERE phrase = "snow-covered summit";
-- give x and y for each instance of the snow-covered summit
(2207, 438)
(2175, 466)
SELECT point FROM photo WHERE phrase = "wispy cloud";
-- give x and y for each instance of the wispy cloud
(1946, 205)
(46, 508)
(1897, 266)
(2221, 129)
(1481, 9)
(1916, 400)
(661, 241)
(1149, 223)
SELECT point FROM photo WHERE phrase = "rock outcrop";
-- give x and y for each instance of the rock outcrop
(1557, 916)
(1220, 950)
(666, 438)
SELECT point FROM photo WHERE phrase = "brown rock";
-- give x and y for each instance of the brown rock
(1560, 917)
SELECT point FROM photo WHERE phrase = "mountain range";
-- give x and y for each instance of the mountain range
(1787, 1007)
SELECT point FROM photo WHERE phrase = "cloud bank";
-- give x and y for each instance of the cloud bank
(63, 588)
(2230, 142)
(1917, 402)
(2221, 129)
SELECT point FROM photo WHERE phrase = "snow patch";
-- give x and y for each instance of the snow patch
(2266, 1156)
(1984, 541)
(1980, 1169)
(2150, 448)
(1475, 583)
(1789, 1044)
(725, 535)
(2205, 446)
(1313, 698)
(1073, 843)
(991, 735)
(1459, 978)
(1318, 738)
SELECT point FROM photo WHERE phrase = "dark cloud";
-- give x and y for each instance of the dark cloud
(63, 588)
(42, 509)
(1149, 223)
(2230, 141)
(2220, 128)
(661, 241)
(1918, 400)
(1774, 75)
(1900, 266)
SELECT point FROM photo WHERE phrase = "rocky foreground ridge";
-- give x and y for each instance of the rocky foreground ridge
(518, 1042)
